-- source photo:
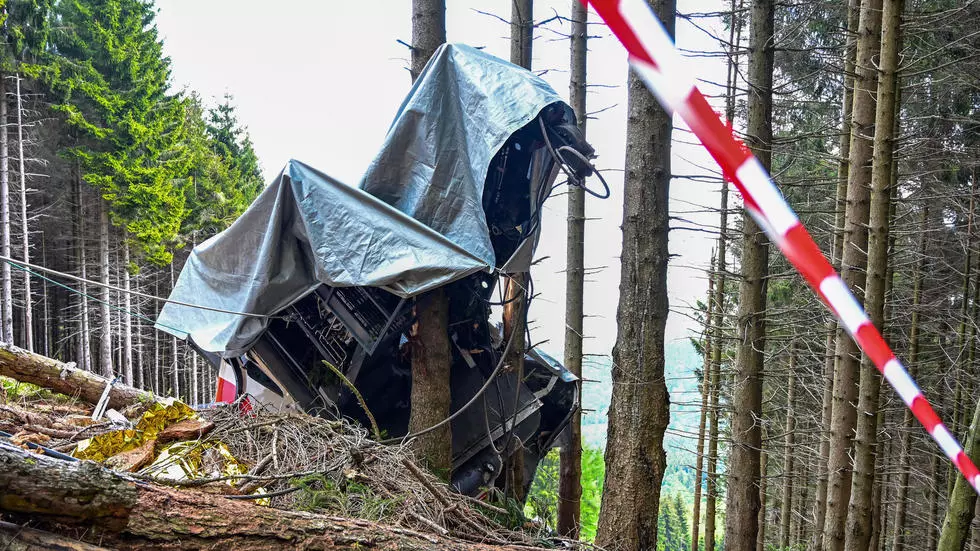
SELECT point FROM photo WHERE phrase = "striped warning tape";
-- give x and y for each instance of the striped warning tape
(661, 67)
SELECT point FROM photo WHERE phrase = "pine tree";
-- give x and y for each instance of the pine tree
(639, 408)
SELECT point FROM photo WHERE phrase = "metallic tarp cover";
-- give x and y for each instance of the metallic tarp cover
(416, 223)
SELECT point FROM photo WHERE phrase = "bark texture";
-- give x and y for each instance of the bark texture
(6, 293)
(14, 537)
(860, 514)
(122, 514)
(65, 378)
(830, 367)
(428, 32)
(853, 263)
(570, 476)
(898, 526)
(521, 32)
(28, 337)
(105, 316)
(639, 409)
(702, 423)
(743, 501)
(431, 358)
(962, 502)
(431, 361)
(786, 503)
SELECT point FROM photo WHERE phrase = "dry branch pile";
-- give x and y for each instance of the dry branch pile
(299, 470)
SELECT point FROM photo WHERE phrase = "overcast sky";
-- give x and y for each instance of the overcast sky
(320, 81)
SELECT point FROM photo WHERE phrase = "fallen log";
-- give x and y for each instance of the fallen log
(28, 367)
(14, 537)
(126, 514)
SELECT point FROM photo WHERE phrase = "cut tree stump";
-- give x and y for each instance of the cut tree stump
(66, 379)
(127, 514)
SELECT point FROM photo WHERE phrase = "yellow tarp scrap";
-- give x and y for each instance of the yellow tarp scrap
(182, 460)
(160, 416)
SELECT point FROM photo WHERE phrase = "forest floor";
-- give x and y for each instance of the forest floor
(161, 475)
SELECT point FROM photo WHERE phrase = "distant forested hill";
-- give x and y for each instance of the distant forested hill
(681, 361)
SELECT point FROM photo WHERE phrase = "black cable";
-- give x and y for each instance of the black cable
(486, 385)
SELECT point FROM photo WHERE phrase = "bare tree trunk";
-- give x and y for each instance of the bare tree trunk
(570, 476)
(6, 292)
(515, 294)
(861, 505)
(66, 379)
(428, 32)
(431, 358)
(718, 301)
(126, 515)
(521, 32)
(127, 347)
(898, 526)
(760, 544)
(430, 393)
(800, 525)
(786, 503)
(705, 391)
(743, 501)
(157, 366)
(514, 318)
(105, 336)
(82, 348)
(28, 340)
(831, 359)
(48, 324)
(854, 260)
(138, 369)
(932, 526)
(959, 510)
(175, 391)
(639, 408)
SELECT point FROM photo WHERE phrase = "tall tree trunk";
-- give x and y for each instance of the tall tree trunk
(428, 32)
(157, 387)
(28, 340)
(898, 526)
(570, 476)
(859, 518)
(83, 356)
(718, 301)
(514, 318)
(127, 347)
(830, 367)
(431, 359)
(743, 501)
(521, 32)
(51, 333)
(105, 335)
(854, 261)
(963, 500)
(639, 408)
(705, 391)
(6, 292)
(786, 503)
(515, 315)
(139, 373)
(175, 390)
(933, 519)
(760, 544)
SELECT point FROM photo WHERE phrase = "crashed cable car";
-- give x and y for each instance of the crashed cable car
(328, 272)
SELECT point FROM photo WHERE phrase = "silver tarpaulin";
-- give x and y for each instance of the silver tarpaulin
(416, 223)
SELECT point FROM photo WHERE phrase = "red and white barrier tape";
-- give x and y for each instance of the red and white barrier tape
(661, 67)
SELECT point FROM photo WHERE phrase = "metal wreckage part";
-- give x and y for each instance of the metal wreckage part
(363, 331)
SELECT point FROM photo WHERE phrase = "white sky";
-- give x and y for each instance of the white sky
(320, 81)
